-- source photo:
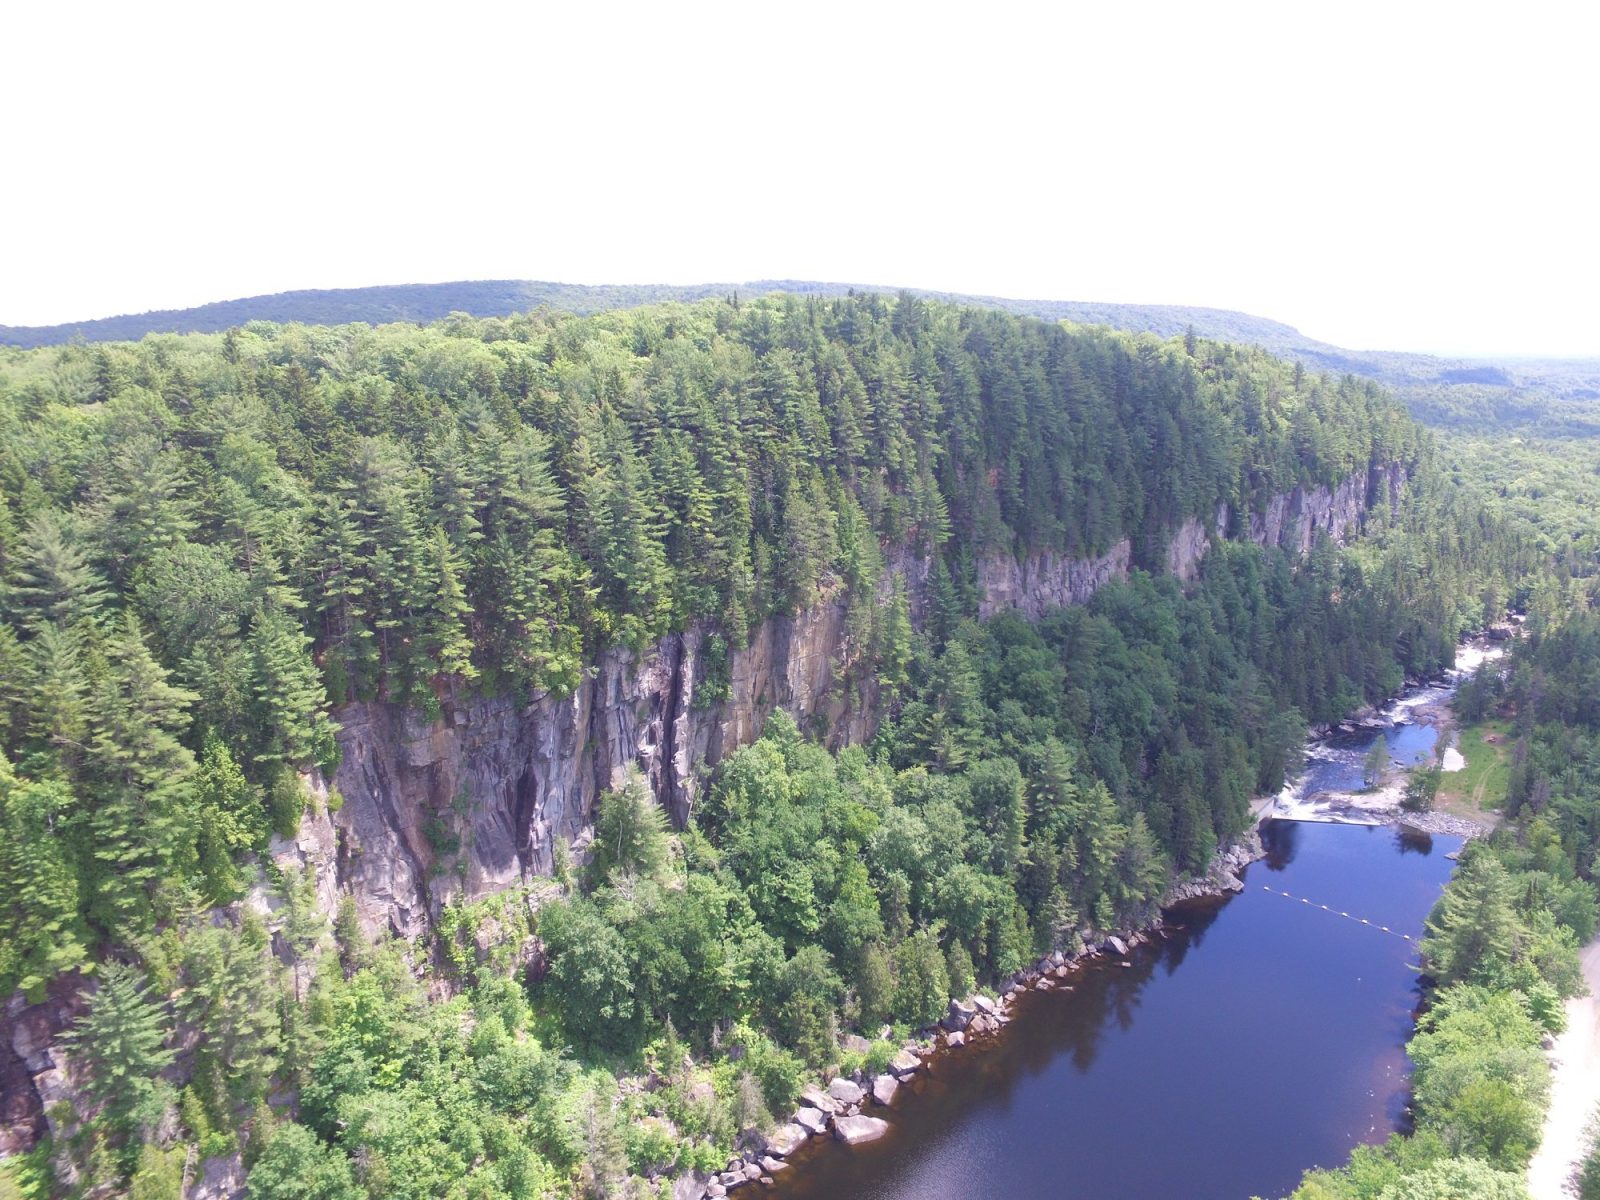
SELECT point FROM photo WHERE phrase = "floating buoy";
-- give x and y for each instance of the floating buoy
(1345, 915)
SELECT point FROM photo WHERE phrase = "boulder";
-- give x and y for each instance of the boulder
(856, 1044)
(984, 1005)
(689, 1187)
(956, 1039)
(812, 1119)
(817, 1098)
(884, 1087)
(1114, 945)
(845, 1091)
(752, 1172)
(852, 1131)
(786, 1139)
(959, 1016)
(905, 1063)
(773, 1165)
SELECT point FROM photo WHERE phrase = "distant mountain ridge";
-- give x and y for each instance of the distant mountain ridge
(425, 302)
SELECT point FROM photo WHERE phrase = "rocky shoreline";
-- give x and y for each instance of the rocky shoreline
(843, 1107)
(840, 1106)
(1440, 822)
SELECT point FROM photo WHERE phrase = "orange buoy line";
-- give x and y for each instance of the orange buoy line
(1336, 912)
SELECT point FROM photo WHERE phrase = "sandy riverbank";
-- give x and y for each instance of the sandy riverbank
(1575, 1091)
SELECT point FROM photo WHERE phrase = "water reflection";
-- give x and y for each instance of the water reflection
(1280, 838)
(1277, 1046)
(1413, 841)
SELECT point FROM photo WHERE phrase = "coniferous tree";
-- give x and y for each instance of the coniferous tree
(135, 781)
(53, 582)
(289, 696)
(41, 934)
(122, 1042)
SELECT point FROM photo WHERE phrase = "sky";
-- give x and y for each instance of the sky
(1397, 175)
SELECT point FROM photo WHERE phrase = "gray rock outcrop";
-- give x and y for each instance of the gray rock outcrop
(846, 1091)
(476, 801)
(853, 1131)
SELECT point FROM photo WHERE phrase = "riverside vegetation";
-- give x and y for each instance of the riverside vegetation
(211, 543)
(1502, 944)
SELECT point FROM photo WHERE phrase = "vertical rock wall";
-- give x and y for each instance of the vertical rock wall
(474, 802)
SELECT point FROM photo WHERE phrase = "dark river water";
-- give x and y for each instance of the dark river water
(1263, 1036)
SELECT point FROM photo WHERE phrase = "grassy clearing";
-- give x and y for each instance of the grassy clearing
(1481, 785)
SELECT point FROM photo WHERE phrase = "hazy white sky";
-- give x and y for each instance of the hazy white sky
(1381, 175)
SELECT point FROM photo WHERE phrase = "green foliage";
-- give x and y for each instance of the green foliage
(1481, 1077)
(158, 1175)
(921, 980)
(210, 543)
(1493, 926)
(231, 820)
(1460, 1179)
(122, 1043)
(27, 1176)
(1376, 765)
(41, 934)
(1589, 1172)
(286, 802)
(630, 833)
(592, 974)
(295, 1165)
(1421, 787)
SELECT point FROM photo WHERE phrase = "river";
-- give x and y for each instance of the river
(1261, 1036)
(1331, 787)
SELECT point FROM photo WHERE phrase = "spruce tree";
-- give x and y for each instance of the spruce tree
(53, 582)
(135, 782)
(122, 1040)
(294, 728)
(41, 934)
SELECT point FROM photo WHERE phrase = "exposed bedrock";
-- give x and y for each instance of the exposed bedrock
(466, 805)
(463, 807)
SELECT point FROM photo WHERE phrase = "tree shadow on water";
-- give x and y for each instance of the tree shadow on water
(1280, 839)
(1413, 841)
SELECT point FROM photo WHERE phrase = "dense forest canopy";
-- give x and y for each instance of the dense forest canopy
(497, 497)
(211, 543)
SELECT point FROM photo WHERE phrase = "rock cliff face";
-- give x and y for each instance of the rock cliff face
(1045, 581)
(474, 802)
(35, 1074)
(1292, 520)
(467, 805)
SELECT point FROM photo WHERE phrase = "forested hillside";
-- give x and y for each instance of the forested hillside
(505, 297)
(1436, 388)
(213, 544)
